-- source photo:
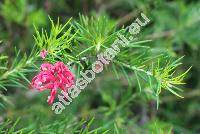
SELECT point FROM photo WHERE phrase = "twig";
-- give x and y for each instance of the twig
(127, 18)
(161, 35)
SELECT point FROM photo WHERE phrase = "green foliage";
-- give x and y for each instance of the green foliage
(94, 33)
(57, 42)
(125, 97)
(16, 11)
(12, 74)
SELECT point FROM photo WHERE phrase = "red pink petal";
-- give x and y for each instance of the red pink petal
(52, 77)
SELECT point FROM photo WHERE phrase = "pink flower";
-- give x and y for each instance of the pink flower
(43, 54)
(53, 77)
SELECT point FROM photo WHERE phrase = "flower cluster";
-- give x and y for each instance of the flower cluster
(53, 77)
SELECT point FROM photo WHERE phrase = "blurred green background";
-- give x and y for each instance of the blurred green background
(108, 105)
